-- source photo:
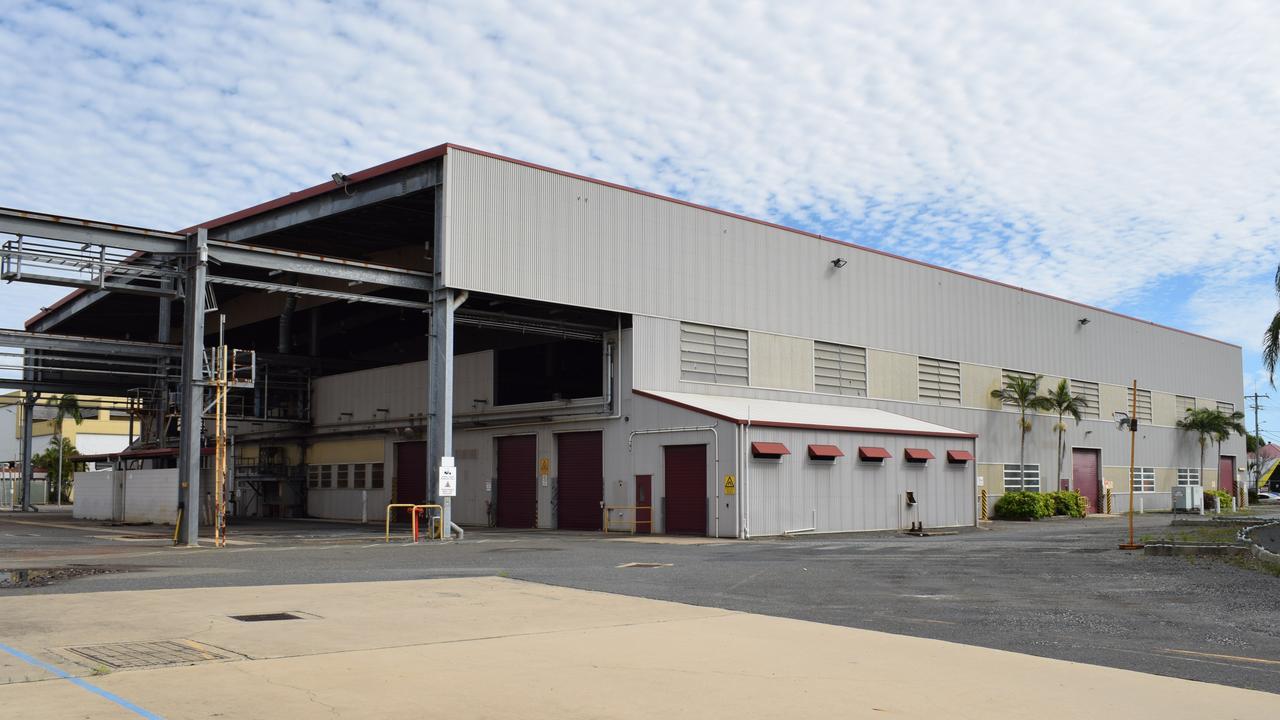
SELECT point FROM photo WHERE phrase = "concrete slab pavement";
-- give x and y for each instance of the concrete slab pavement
(492, 647)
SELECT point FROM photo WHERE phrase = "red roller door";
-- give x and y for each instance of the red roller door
(685, 468)
(1227, 473)
(579, 480)
(517, 481)
(1084, 475)
(411, 474)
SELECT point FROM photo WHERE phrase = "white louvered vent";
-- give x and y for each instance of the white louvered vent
(713, 354)
(839, 369)
(939, 381)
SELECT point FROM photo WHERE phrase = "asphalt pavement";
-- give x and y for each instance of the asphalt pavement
(1054, 588)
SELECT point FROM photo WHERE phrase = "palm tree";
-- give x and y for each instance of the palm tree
(1061, 401)
(67, 407)
(1211, 424)
(1271, 338)
(1022, 392)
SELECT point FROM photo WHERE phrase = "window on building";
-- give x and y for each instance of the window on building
(713, 354)
(1144, 404)
(1144, 479)
(1226, 407)
(358, 473)
(1183, 403)
(839, 369)
(117, 414)
(1089, 391)
(326, 476)
(1005, 374)
(375, 475)
(1188, 476)
(1028, 479)
(313, 476)
(939, 381)
(342, 476)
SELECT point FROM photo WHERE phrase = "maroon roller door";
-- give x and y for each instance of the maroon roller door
(1084, 475)
(411, 473)
(1227, 473)
(517, 481)
(685, 477)
(579, 480)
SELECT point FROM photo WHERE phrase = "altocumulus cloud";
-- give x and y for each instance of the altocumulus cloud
(1109, 152)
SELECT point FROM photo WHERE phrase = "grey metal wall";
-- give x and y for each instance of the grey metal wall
(521, 231)
(796, 493)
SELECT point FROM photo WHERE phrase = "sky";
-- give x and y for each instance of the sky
(1121, 154)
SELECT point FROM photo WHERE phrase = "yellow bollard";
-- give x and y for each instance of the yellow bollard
(984, 503)
(1108, 501)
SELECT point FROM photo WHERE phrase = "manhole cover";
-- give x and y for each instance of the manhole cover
(644, 565)
(149, 654)
(266, 617)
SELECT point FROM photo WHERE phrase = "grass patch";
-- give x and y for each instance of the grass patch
(1210, 534)
(1249, 562)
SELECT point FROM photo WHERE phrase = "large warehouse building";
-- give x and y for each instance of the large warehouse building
(569, 344)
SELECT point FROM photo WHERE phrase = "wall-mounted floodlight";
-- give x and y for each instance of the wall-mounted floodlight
(1083, 321)
(839, 263)
(340, 179)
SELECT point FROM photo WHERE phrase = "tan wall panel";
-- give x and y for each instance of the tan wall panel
(338, 451)
(976, 384)
(892, 376)
(1164, 409)
(1113, 398)
(779, 361)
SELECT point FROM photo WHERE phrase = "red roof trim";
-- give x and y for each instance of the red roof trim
(441, 150)
(825, 452)
(805, 426)
(769, 449)
(959, 456)
(918, 455)
(870, 452)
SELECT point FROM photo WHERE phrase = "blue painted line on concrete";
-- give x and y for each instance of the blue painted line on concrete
(82, 683)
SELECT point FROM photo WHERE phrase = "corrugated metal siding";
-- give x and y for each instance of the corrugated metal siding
(529, 233)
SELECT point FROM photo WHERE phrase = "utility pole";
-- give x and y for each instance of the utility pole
(1257, 433)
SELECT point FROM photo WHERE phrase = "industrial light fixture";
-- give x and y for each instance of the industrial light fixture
(839, 263)
(343, 180)
(1083, 321)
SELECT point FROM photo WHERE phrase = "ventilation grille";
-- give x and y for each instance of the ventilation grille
(839, 369)
(1092, 402)
(713, 354)
(939, 381)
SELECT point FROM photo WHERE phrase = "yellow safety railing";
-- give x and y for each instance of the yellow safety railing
(633, 522)
(414, 510)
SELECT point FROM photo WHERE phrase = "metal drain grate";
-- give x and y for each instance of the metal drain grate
(644, 565)
(149, 654)
(266, 617)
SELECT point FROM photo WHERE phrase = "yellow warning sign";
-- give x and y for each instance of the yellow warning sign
(730, 485)
(544, 466)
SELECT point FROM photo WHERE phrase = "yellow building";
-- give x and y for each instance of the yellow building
(105, 427)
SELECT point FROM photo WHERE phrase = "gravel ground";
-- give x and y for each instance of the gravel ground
(1056, 588)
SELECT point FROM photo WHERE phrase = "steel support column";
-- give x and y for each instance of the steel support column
(28, 418)
(440, 371)
(192, 390)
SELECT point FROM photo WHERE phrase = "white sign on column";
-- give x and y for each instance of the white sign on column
(448, 481)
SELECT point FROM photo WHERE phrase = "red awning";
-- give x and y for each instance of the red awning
(959, 456)
(769, 450)
(918, 455)
(867, 452)
(824, 452)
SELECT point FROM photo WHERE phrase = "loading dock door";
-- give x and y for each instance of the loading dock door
(1084, 475)
(1227, 473)
(579, 480)
(411, 473)
(517, 481)
(685, 477)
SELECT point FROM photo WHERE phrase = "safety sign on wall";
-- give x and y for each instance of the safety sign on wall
(448, 481)
(730, 485)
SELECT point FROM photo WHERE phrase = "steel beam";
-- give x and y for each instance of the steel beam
(317, 292)
(440, 374)
(53, 227)
(86, 345)
(28, 420)
(341, 268)
(361, 194)
(192, 391)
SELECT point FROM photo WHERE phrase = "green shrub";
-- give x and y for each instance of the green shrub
(1068, 502)
(1224, 498)
(1020, 505)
